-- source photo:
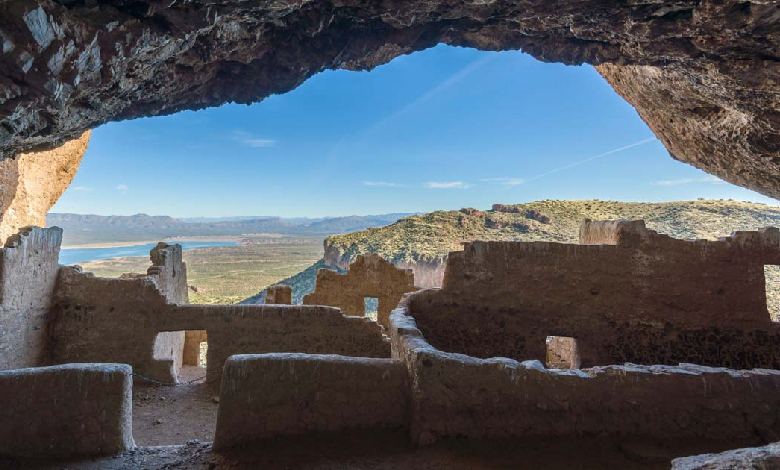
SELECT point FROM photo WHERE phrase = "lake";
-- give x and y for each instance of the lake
(82, 255)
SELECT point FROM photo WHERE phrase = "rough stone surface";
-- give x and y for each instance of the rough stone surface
(118, 320)
(32, 182)
(454, 395)
(711, 119)
(272, 395)
(278, 294)
(713, 66)
(752, 458)
(28, 275)
(66, 411)
(368, 276)
(640, 297)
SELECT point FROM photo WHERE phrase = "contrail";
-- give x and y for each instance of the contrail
(455, 78)
(590, 159)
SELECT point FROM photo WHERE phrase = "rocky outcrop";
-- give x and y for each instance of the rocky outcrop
(69, 66)
(32, 182)
(711, 119)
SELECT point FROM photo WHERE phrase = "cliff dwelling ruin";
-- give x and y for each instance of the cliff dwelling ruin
(628, 338)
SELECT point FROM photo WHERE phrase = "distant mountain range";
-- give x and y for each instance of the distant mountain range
(83, 229)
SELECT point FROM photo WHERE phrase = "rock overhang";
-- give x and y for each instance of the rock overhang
(702, 75)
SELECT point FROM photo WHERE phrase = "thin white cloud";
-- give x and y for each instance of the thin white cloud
(245, 138)
(383, 184)
(447, 185)
(122, 187)
(590, 159)
(504, 181)
(81, 188)
(705, 179)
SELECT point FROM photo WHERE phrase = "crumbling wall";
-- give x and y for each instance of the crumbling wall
(117, 320)
(454, 395)
(645, 298)
(66, 411)
(271, 395)
(170, 274)
(368, 276)
(279, 294)
(28, 273)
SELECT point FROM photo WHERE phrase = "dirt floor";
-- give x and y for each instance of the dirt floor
(391, 450)
(173, 427)
(171, 415)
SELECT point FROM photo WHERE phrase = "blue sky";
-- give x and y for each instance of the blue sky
(440, 129)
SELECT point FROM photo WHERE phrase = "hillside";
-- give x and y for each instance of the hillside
(85, 229)
(422, 242)
(429, 237)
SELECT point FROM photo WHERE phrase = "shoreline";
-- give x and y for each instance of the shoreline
(218, 238)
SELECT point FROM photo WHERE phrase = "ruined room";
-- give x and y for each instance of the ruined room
(623, 348)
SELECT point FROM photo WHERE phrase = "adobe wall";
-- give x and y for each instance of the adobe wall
(89, 309)
(278, 294)
(454, 395)
(273, 395)
(28, 273)
(368, 276)
(645, 298)
(170, 274)
(66, 411)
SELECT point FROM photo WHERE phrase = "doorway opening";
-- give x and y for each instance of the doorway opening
(562, 353)
(370, 307)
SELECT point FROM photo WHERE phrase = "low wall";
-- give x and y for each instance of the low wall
(65, 411)
(454, 395)
(272, 395)
(117, 320)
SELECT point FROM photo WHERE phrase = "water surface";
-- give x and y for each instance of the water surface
(83, 255)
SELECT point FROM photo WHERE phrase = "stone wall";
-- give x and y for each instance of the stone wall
(117, 320)
(170, 274)
(278, 294)
(28, 273)
(66, 411)
(646, 298)
(273, 395)
(454, 395)
(368, 276)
